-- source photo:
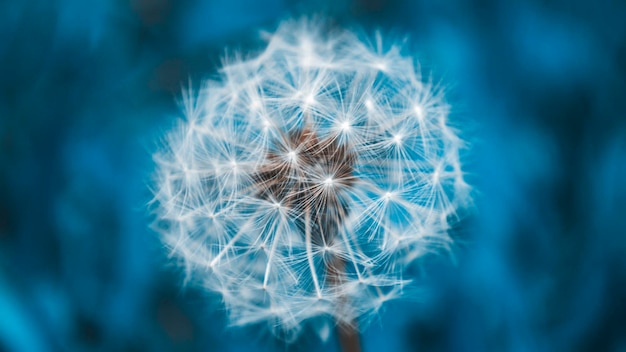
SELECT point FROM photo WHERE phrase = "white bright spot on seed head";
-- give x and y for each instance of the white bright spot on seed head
(276, 205)
(310, 99)
(345, 126)
(419, 111)
(397, 138)
(329, 181)
(369, 104)
(436, 176)
(382, 66)
(291, 155)
(388, 195)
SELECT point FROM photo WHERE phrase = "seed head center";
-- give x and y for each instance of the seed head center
(293, 179)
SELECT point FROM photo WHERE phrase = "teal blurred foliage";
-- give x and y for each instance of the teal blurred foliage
(87, 88)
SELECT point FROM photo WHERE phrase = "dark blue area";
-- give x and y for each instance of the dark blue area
(87, 88)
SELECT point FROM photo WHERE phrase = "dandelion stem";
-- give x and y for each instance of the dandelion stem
(347, 332)
(349, 338)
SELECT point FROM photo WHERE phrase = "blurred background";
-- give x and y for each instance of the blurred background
(88, 87)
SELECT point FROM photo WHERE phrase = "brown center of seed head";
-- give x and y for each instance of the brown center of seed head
(308, 174)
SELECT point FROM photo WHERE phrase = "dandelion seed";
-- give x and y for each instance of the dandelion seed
(304, 182)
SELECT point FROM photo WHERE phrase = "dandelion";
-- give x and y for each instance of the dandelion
(305, 179)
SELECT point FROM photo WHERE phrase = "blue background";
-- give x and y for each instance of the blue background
(88, 87)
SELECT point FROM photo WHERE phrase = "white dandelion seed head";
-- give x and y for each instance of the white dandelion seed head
(304, 180)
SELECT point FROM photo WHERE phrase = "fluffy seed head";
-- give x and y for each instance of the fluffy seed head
(304, 180)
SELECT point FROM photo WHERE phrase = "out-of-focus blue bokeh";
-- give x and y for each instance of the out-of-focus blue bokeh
(87, 88)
